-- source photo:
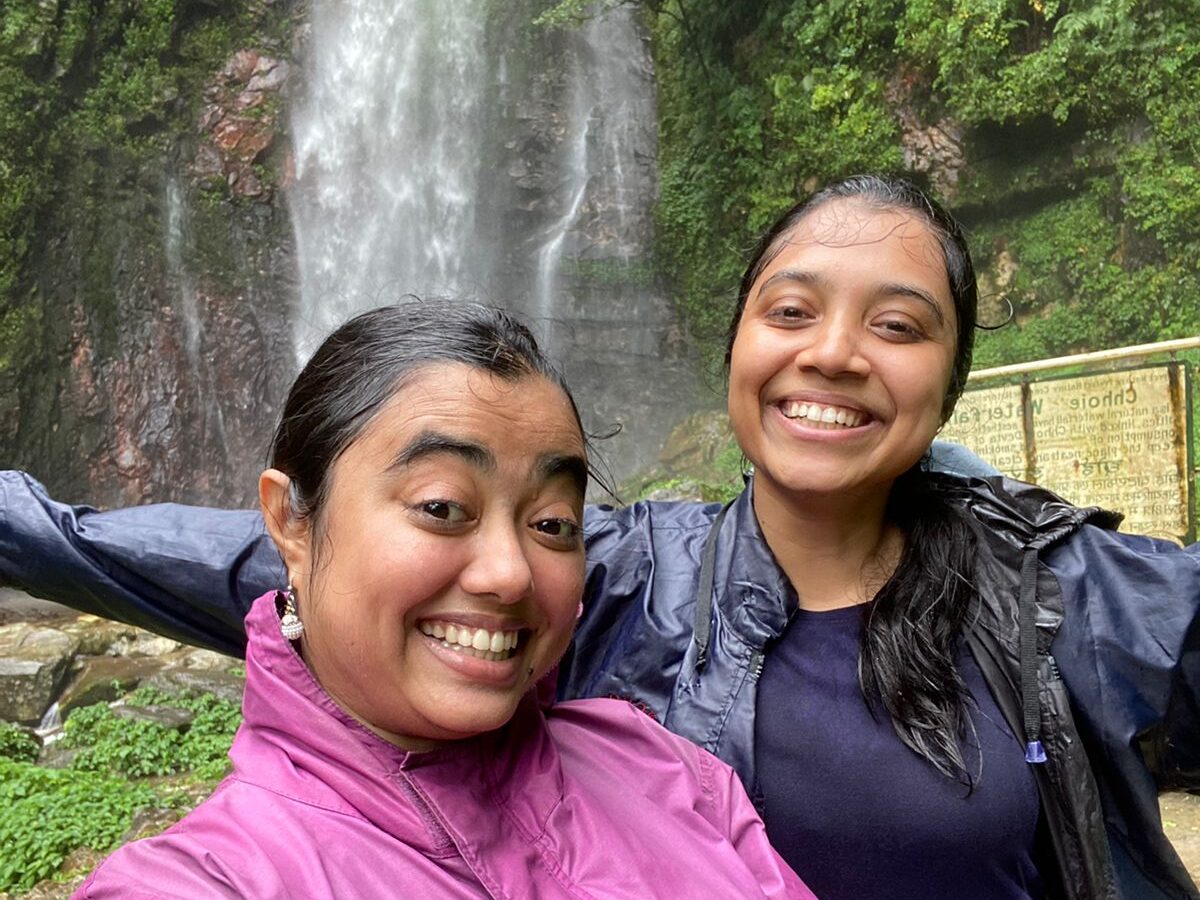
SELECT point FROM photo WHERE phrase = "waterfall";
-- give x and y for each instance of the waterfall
(575, 165)
(387, 145)
(50, 727)
(454, 149)
(176, 243)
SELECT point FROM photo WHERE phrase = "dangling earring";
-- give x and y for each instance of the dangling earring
(290, 624)
(747, 469)
(579, 611)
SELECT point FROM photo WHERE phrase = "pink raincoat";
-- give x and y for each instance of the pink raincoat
(589, 798)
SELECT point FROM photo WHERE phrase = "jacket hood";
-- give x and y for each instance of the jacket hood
(1023, 515)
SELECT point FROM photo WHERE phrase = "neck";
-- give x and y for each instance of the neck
(836, 551)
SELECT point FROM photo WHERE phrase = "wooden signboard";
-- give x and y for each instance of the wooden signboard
(1118, 440)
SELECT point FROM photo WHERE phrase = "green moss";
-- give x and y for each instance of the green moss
(640, 272)
(1079, 132)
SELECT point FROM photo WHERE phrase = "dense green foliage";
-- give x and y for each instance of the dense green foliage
(87, 88)
(107, 743)
(17, 744)
(47, 813)
(1071, 125)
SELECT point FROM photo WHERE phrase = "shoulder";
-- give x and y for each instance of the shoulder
(646, 519)
(631, 548)
(1018, 514)
(1117, 587)
(209, 853)
(618, 736)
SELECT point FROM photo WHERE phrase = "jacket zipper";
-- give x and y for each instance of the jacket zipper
(756, 665)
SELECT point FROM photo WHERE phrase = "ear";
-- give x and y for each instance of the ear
(290, 532)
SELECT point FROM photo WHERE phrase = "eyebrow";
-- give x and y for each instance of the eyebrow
(887, 289)
(892, 289)
(555, 465)
(432, 443)
(795, 276)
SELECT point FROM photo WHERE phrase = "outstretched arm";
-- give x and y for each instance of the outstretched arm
(1129, 645)
(186, 572)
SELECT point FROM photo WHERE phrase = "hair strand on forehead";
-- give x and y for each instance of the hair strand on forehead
(370, 358)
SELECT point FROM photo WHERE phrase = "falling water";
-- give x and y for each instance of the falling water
(174, 241)
(442, 152)
(388, 143)
(50, 727)
(176, 244)
(575, 164)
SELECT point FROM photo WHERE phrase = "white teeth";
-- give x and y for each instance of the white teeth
(477, 642)
(826, 415)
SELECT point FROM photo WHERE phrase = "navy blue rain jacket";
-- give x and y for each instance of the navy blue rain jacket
(1117, 636)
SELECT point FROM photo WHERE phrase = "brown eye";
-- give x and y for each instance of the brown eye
(561, 530)
(789, 314)
(444, 511)
(899, 329)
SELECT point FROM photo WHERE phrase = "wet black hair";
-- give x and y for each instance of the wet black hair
(892, 194)
(913, 628)
(362, 365)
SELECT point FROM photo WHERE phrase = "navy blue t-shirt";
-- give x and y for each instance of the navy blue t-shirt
(857, 814)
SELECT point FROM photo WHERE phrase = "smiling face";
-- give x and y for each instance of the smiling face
(444, 574)
(843, 353)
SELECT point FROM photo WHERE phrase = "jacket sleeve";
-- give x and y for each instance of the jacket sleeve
(732, 812)
(186, 572)
(1129, 645)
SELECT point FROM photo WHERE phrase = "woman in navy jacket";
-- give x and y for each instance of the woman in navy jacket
(932, 685)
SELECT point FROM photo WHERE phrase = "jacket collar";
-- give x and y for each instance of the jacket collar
(295, 739)
(757, 600)
(754, 595)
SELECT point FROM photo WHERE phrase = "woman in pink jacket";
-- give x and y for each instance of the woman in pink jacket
(426, 495)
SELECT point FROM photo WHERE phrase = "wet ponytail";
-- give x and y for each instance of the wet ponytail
(913, 631)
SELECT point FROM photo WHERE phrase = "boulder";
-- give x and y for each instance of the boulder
(209, 661)
(98, 637)
(34, 663)
(188, 682)
(57, 756)
(143, 643)
(169, 717)
(102, 679)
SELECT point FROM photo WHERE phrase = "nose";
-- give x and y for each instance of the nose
(835, 349)
(499, 566)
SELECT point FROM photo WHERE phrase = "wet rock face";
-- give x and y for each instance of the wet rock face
(34, 663)
(238, 125)
(102, 679)
(936, 149)
(164, 347)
